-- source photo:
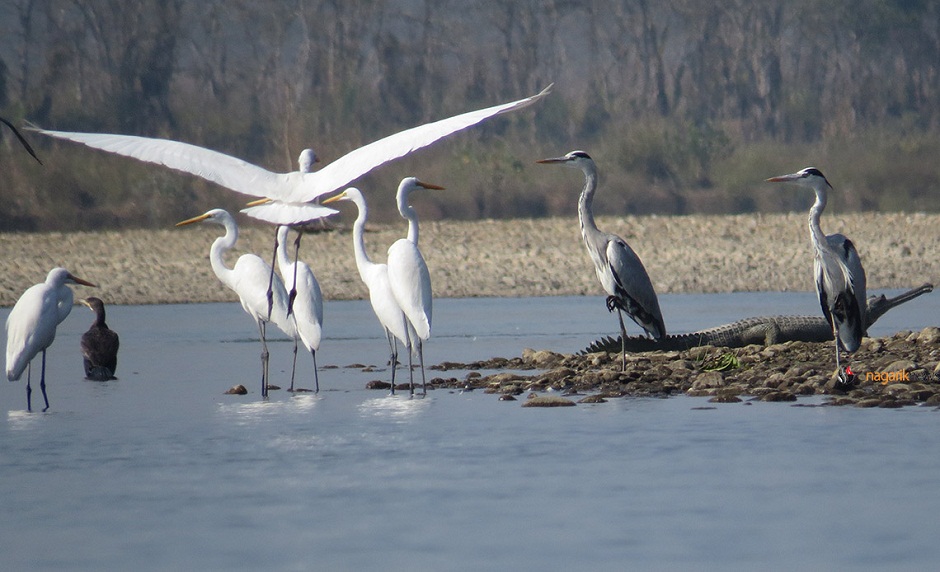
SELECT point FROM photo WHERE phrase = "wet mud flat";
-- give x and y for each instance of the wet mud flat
(896, 371)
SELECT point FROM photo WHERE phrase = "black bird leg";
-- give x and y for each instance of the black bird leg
(293, 289)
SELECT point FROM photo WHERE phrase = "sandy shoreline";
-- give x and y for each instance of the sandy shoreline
(489, 258)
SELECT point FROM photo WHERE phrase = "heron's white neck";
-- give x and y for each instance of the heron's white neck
(219, 247)
(586, 200)
(283, 260)
(408, 212)
(359, 243)
(815, 213)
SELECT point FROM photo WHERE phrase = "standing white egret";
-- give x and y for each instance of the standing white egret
(840, 278)
(99, 344)
(32, 323)
(22, 139)
(411, 282)
(619, 269)
(249, 278)
(292, 192)
(375, 277)
(305, 300)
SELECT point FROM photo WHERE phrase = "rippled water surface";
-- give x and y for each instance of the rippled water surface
(160, 470)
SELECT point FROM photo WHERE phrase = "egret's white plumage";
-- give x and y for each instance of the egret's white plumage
(618, 268)
(375, 277)
(410, 279)
(840, 277)
(307, 306)
(289, 192)
(31, 325)
(250, 278)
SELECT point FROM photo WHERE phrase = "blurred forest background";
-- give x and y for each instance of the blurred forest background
(686, 106)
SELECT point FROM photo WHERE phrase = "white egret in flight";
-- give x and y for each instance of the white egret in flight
(99, 344)
(290, 193)
(410, 280)
(32, 323)
(840, 278)
(307, 304)
(250, 279)
(619, 269)
(375, 277)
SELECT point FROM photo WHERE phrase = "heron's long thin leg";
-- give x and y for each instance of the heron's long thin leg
(293, 367)
(393, 359)
(264, 359)
(316, 376)
(411, 368)
(293, 288)
(42, 381)
(623, 342)
(271, 280)
(29, 389)
(424, 385)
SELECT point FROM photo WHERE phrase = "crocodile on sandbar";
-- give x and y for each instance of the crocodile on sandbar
(759, 330)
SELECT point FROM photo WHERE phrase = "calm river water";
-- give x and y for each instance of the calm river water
(160, 470)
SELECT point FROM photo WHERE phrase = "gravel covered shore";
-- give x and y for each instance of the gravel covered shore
(539, 257)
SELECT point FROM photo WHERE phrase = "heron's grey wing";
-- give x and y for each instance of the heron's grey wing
(634, 283)
(230, 172)
(359, 162)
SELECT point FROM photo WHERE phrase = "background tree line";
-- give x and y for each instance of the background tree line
(686, 106)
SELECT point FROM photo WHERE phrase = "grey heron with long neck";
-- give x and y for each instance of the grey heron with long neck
(840, 278)
(619, 269)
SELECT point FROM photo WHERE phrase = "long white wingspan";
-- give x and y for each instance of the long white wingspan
(294, 187)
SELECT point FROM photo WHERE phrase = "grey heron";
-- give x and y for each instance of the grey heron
(619, 269)
(840, 278)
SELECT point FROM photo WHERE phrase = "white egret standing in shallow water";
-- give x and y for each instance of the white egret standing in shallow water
(306, 304)
(619, 269)
(250, 279)
(410, 280)
(32, 323)
(99, 344)
(375, 277)
(840, 278)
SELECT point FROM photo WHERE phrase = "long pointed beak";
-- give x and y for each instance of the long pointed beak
(199, 218)
(553, 160)
(78, 280)
(258, 202)
(334, 198)
(782, 178)
(429, 186)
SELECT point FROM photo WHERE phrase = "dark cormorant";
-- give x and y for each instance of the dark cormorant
(99, 345)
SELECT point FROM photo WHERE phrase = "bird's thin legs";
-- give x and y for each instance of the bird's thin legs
(293, 368)
(42, 381)
(316, 376)
(623, 342)
(393, 359)
(264, 359)
(271, 280)
(293, 289)
(424, 385)
(411, 368)
(29, 390)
